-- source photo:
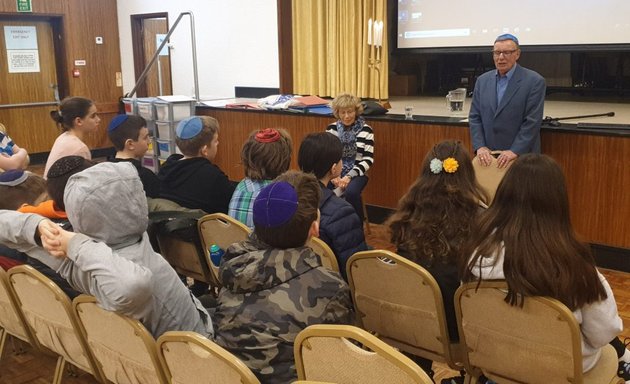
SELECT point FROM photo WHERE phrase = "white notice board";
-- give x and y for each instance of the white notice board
(22, 51)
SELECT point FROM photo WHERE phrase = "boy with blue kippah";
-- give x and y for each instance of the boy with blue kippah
(191, 180)
(130, 136)
(273, 285)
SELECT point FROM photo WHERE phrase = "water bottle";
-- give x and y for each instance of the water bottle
(215, 254)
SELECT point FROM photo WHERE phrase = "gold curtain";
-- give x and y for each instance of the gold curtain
(330, 50)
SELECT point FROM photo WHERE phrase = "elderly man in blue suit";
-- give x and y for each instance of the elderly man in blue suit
(507, 107)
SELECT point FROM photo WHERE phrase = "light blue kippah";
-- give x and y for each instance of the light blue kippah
(116, 122)
(189, 127)
(506, 36)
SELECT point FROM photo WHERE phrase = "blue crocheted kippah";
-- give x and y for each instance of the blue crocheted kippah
(275, 205)
(506, 36)
(189, 127)
(116, 122)
(13, 177)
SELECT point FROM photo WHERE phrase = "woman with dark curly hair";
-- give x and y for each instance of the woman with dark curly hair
(436, 216)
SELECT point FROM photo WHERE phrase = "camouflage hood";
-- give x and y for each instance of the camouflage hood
(251, 266)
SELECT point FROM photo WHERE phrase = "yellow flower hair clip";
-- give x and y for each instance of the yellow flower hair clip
(450, 165)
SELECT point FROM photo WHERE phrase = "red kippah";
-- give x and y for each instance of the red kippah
(267, 135)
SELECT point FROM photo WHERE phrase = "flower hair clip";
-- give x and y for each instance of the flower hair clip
(449, 165)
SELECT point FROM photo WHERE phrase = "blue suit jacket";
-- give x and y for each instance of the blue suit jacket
(515, 123)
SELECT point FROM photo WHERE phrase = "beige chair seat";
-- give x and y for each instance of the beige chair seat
(330, 353)
(537, 343)
(189, 358)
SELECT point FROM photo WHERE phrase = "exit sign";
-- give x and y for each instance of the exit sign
(24, 6)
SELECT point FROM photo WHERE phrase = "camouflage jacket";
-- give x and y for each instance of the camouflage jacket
(269, 296)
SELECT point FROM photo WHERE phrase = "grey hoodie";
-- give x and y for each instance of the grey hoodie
(111, 257)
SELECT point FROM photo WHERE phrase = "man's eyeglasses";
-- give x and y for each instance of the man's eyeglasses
(504, 53)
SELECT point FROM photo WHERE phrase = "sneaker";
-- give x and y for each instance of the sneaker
(453, 380)
(624, 371)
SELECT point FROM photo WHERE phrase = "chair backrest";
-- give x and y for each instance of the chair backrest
(122, 346)
(48, 311)
(190, 358)
(12, 320)
(489, 177)
(402, 303)
(186, 257)
(327, 353)
(329, 260)
(505, 342)
(222, 230)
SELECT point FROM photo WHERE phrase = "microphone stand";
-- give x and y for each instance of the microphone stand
(554, 121)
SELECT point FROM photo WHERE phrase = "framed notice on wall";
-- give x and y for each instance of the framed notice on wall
(22, 51)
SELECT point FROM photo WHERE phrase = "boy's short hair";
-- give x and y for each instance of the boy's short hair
(266, 153)
(58, 176)
(346, 100)
(19, 187)
(123, 128)
(318, 152)
(195, 132)
(285, 209)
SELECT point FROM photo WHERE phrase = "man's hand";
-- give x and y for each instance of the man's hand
(505, 158)
(484, 156)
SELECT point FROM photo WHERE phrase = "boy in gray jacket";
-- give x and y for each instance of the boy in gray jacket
(109, 255)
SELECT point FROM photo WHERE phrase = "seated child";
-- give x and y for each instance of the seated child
(11, 156)
(58, 176)
(340, 227)
(77, 117)
(273, 285)
(109, 255)
(265, 155)
(435, 218)
(191, 180)
(31, 191)
(526, 238)
(18, 187)
(130, 137)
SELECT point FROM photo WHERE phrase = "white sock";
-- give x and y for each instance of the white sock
(626, 356)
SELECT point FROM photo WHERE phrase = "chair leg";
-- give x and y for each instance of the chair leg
(61, 363)
(18, 345)
(366, 219)
(3, 339)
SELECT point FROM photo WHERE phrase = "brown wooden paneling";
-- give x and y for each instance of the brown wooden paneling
(76, 29)
(594, 165)
(83, 22)
(39, 6)
(598, 181)
(29, 126)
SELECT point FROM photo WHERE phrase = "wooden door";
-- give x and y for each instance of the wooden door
(144, 31)
(28, 75)
(152, 28)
